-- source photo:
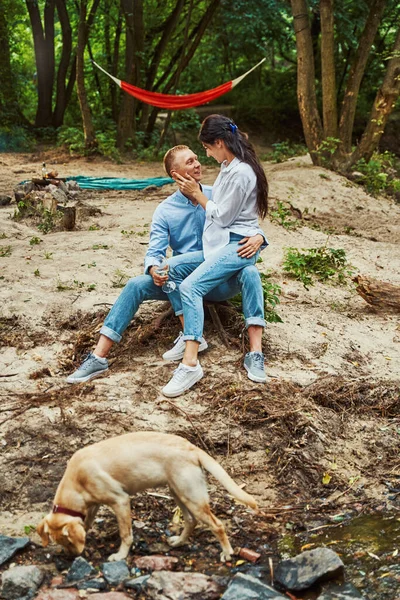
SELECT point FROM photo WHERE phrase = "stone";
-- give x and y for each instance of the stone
(93, 584)
(156, 562)
(80, 569)
(65, 594)
(137, 583)
(9, 546)
(164, 585)
(72, 185)
(341, 592)
(21, 583)
(245, 587)
(112, 596)
(115, 572)
(307, 568)
(5, 200)
(58, 194)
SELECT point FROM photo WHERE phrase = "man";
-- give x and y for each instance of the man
(178, 222)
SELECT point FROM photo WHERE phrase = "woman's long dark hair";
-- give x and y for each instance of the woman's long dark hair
(218, 127)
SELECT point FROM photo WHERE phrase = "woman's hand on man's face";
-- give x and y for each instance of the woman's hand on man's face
(187, 185)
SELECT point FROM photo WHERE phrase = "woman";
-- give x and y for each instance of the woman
(239, 197)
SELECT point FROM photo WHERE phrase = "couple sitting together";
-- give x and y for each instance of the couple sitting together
(215, 238)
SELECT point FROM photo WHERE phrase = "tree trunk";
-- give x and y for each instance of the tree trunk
(133, 13)
(380, 294)
(329, 106)
(355, 77)
(43, 40)
(384, 104)
(306, 93)
(9, 109)
(65, 62)
(83, 33)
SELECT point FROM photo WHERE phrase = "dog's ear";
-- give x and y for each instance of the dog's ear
(43, 530)
(75, 532)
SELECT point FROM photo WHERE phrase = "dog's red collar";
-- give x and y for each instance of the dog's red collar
(67, 511)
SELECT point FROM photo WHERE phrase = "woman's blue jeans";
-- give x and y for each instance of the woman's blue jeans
(196, 278)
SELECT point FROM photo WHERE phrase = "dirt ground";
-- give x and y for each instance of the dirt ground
(321, 436)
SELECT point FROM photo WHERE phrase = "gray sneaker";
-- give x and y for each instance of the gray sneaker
(89, 369)
(254, 365)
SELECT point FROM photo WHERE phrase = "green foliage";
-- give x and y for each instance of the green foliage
(284, 150)
(48, 221)
(34, 241)
(5, 251)
(283, 216)
(72, 138)
(36, 273)
(120, 278)
(381, 174)
(327, 149)
(324, 264)
(15, 139)
(182, 120)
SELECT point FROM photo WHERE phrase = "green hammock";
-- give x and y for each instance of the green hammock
(118, 183)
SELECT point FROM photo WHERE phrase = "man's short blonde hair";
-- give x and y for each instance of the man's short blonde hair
(169, 158)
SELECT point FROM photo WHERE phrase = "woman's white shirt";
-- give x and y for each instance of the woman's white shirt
(233, 206)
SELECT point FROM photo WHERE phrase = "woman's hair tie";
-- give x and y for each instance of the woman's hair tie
(233, 127)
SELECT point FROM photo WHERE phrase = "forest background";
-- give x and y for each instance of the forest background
(331, 79)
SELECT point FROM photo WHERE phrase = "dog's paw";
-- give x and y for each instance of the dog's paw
(175, 540)
(225, 557)
(117, 556)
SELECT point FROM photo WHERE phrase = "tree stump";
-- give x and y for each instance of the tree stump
(379, 294)
(69, 216)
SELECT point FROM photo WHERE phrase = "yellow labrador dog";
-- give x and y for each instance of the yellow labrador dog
(111, 471)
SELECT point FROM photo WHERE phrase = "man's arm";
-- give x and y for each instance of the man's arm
(159, 241)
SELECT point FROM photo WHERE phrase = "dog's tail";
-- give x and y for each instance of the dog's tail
(222, 476)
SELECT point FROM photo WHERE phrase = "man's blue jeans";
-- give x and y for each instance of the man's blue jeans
(141, 288)
(196, 278)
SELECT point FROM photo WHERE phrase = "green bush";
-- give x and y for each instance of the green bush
(271, 292)
(15, 139)
(324, 264)
(284, 150)
(381, 174)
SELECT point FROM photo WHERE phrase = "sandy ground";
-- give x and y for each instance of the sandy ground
(54, 294)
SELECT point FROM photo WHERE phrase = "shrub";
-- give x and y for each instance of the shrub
(324, 264)
(381, 174)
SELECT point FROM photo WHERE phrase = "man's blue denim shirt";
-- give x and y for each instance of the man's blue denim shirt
(176, 223)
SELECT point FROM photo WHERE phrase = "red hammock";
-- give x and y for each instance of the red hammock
(172, 102)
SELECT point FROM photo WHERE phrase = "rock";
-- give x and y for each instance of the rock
(72, 185)
(165, 585)
(341, 592)
(305, 569)
(80, 569)
(115, 572)
(156, 562)
(93, 584)
(137, 583)
(21, 583)
(112, 596)
(58, 194)
(65, 594)
(249, 555)
(5, 200)
(245, 587)
(9, 546)
(158, 547)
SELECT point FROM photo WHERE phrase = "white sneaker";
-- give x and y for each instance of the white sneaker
(176, 353)
(183, 379)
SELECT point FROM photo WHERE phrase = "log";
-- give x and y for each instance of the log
(379, 294)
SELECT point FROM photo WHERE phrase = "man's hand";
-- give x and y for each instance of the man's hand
(250, 245)
(159, 280)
